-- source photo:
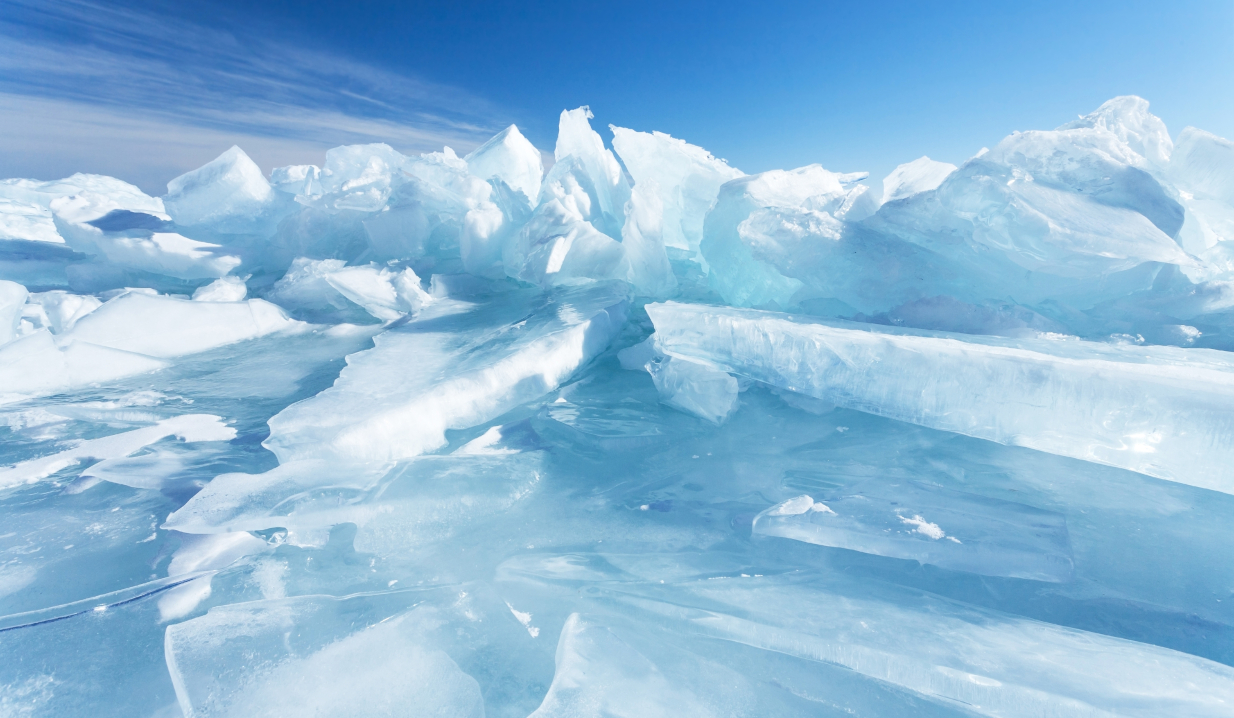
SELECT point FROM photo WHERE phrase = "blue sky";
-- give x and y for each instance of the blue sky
(147, 90)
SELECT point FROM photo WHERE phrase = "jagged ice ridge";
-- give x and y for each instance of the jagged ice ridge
(637, 435)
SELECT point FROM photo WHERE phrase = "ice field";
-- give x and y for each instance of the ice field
(639, 435)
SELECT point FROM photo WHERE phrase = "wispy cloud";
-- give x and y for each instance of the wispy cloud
(149, 94)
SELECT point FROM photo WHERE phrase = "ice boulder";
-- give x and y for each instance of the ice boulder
(990, 218)
(1202, 167)
(735, 272)
(1161, 411)
(326, 288)
(685, 178)
(63, 309)
(228, 195)
(26, 221)
(385, 294)
(921, 175)
(509, 157)
(642, 241)
(694, 388)
(12, 300)
(470, 366)
(297, 180)
(360, 177)
(223, 289)
(559, 245)
(1127, 118)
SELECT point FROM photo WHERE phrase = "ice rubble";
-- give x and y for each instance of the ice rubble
(638, 435)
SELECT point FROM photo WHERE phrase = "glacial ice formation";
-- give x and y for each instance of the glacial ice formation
(637, 435)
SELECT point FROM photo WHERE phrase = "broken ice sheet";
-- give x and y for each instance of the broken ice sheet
(930, 524)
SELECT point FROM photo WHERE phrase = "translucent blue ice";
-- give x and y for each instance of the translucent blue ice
(641, 435)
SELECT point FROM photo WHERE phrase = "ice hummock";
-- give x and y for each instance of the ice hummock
(638, 435)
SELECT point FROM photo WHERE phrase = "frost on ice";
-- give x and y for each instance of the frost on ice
(639, 434)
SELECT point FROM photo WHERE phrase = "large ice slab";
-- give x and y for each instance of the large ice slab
(1161, 411)
(40, 365)
(162, 326)
(28, 207)
(457, 366)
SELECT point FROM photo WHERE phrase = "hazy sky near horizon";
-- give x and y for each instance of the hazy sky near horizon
(151, 89)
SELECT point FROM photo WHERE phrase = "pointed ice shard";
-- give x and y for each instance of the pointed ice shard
(509, 157)
(686, 179)
(575, 138)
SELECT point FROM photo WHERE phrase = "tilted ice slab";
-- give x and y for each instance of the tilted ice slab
(131, 334)
(457, 366)
(950, 529)
(161, 326)
(38, 365)
(1161, 411)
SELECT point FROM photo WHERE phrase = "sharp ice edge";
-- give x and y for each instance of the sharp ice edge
(889, 450)
(1066, 398)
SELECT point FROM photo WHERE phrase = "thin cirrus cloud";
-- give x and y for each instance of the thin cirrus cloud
(142, 96)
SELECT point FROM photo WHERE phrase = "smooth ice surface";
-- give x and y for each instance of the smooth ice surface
(1161, 411)
(932, 525)
(382, 666)
(637, 435)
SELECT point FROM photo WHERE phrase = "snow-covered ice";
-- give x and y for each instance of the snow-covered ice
(636, 435)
